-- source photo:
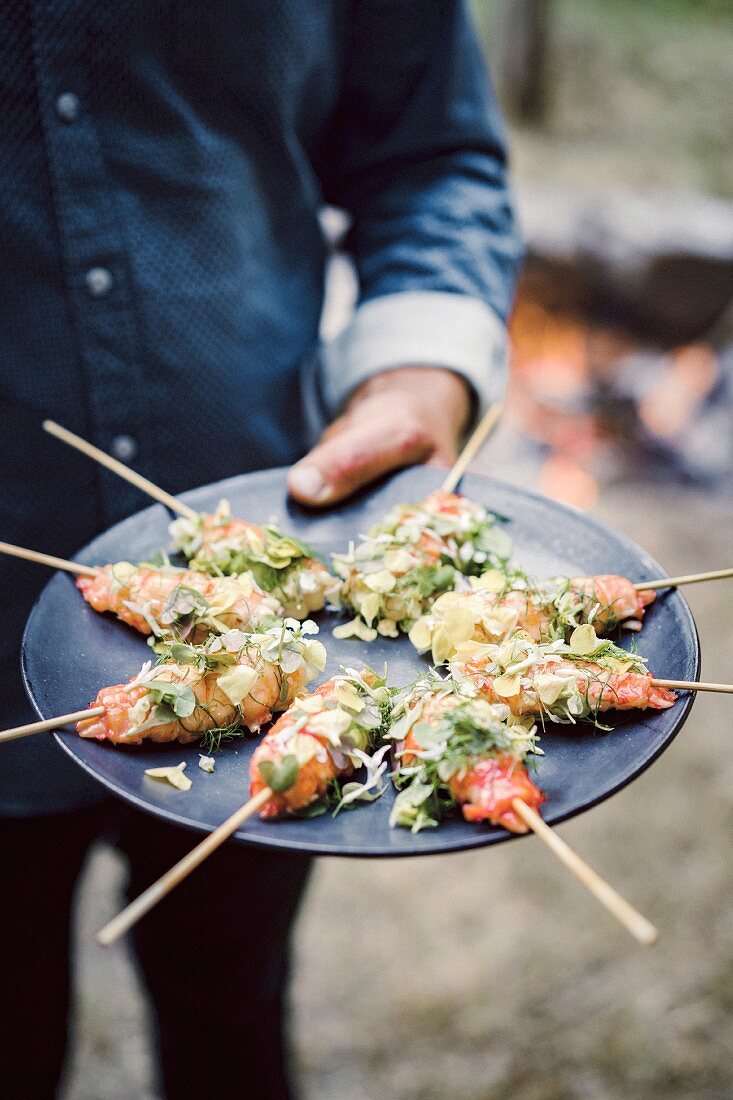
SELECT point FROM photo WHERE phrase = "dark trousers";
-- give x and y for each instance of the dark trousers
(213, 954)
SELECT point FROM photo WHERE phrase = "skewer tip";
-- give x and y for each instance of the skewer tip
(647, 936)
(106, 937)
(635, 923)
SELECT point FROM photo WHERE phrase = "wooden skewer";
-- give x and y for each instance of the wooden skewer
(49, 724)
(632, 920)
(120, 469)
(473, 445)
(158, 890)
(690, 578)
(49, 559)
(475, 441)
(693, 685)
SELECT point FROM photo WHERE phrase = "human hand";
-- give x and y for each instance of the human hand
(398, 418)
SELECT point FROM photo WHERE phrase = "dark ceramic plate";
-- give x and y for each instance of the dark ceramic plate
(69, 652)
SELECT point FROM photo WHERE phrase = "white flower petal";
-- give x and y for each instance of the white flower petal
(174, 776)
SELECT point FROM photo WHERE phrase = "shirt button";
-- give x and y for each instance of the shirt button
(99, 281)
(68, 107)
(124, 448)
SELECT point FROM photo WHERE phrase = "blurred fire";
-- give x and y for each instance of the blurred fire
(567, 481)
(596, 400)
(690, 375)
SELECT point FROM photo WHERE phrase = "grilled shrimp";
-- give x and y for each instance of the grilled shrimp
(472, 753)
(544, 612)
(316, 767)
(216, 689)
(608, 600)
(395, 573)
(561, 689)
(319, 735)
(220, 544)
(487, 790)
(116, 724)
(178, 601)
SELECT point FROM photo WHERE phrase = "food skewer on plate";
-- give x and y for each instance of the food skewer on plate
(208, 693)
(453, 750)
(396, 572)
(559, 681)
(165, 601)
(499, 604)
(325, 734)
(320, 739)
(392, 576)
(169, 602)
(220, 544)
(280, 564)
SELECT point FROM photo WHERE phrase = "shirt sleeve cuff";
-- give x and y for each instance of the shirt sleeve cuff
(417, 328)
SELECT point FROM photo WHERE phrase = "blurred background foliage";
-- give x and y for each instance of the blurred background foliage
(621, 119)
(642, 90)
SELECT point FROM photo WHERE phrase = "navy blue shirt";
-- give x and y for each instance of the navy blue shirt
(163, 168)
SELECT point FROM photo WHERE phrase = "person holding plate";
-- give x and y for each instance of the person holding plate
(165, 168)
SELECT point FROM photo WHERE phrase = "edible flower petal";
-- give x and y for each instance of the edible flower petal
(174, 776)
(355, 629)
(237, 682)
(507, 686)
(493, 580)
(584, 640)
(373, 786)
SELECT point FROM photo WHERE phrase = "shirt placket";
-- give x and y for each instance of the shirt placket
(96, 269)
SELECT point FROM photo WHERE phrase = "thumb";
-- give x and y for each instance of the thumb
(355, 452)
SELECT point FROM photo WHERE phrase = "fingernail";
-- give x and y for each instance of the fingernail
(307, 481)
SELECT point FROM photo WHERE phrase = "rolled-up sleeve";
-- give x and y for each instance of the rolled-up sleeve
(429, 328)
(417, 157)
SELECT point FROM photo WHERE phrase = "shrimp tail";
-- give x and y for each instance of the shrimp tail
(488, 790)
(84, 583)
(661, 698)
